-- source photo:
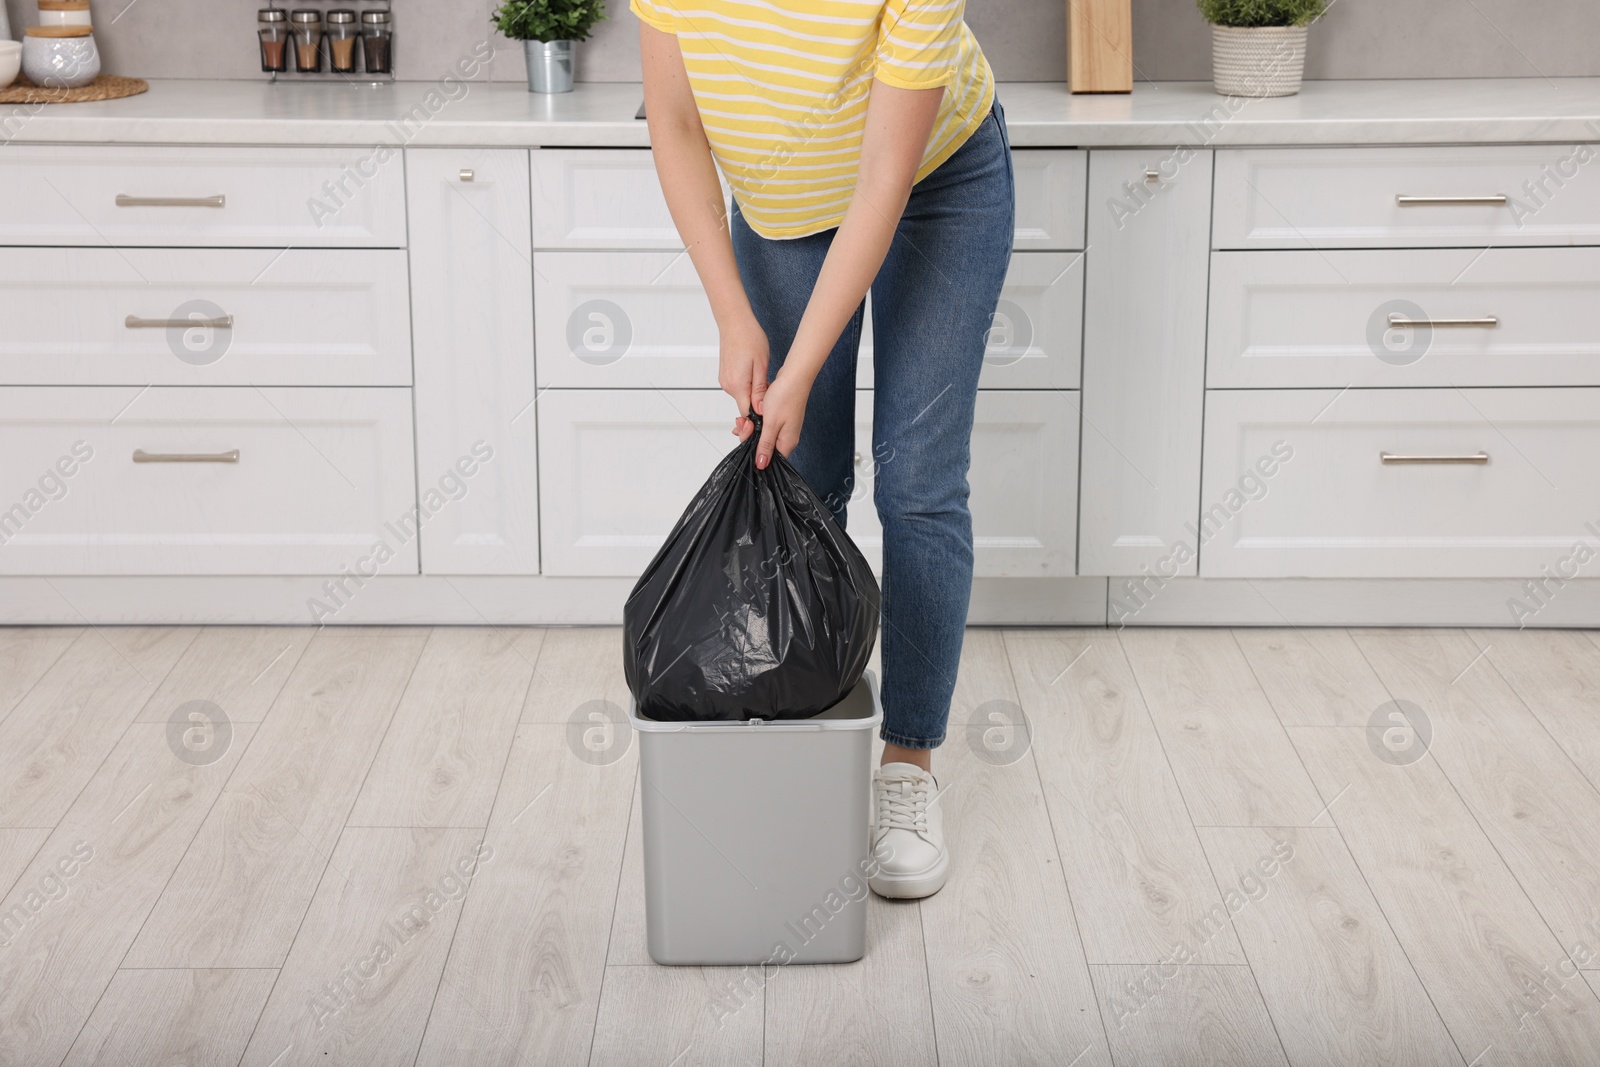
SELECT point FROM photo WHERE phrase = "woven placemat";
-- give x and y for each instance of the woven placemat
(104, 87)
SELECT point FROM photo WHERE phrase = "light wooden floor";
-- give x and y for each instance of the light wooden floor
(399, 859)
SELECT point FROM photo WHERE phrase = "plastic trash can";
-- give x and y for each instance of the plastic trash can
(757, 835)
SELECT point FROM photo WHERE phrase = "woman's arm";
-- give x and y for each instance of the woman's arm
(898, 124)
(689, 179)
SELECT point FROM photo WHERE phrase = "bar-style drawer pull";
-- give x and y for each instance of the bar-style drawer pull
(1497, 200)
(230, 456)
(134, 322)
(1486, 321)
(1478, 458)
(124, 200)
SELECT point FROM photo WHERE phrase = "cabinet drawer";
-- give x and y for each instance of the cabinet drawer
(641, 319)
(1511, 316)
(100, 316)
(1052, 190)
(619, 466)
(1335, 509)
(206, 197)
(1351, 197)
(321, 479)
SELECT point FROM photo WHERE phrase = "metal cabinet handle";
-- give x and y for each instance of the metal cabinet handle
(1486, 321)
(124, 200)
(1391, 457)
(230, 456)
(134, 322)
(855, 459)
(467, 174)
(1496, 200)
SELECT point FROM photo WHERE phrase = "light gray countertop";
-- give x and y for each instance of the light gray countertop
(601, 114)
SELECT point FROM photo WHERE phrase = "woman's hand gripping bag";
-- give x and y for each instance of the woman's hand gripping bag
(757, 607)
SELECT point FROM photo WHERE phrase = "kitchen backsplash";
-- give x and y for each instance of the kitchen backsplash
(1024, 39)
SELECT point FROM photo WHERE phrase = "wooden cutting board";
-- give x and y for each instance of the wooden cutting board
(1100, 46)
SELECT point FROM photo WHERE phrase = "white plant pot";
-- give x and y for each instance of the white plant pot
(1257, 60)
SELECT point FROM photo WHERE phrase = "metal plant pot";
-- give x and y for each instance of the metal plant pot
(549, 66)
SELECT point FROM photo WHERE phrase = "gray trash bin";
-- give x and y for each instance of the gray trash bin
(757, 834)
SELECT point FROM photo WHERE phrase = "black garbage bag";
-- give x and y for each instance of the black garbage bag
(758, 605)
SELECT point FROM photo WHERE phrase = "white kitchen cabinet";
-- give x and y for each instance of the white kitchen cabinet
(122, 196)
(1023, 481)
(1051, 184)
(1507, 488)
(1506, 316)
(472, 268)
(1144, 355)
(1438, 195)
(599, 198)
(199, 316)
(103, 480)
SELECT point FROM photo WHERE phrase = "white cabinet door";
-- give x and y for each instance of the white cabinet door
(1505, 316)
(1023, 479)
(1407, 197)
(619, 468)
(623, 320)
(199, 316)
(121, 196)
(1508, 490)
(472, 273)
(1051, 185)
(227, 480)
(1144, 338)
(600, 198)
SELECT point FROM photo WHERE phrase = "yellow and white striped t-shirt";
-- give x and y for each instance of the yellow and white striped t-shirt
(782, 91)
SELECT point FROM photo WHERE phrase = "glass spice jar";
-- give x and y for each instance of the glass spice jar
(377, 41)
(307, 25)
(273, 26)
(342, 33)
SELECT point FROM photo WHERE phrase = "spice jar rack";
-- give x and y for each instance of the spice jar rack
(327, 41)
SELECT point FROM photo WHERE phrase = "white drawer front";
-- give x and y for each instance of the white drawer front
(248, 197)
(1052, 186)
(619, 466)
(599, 198)
(100, 316)
(641, 319)
(322, 477)
(1509, 316)
(1336, 510)
(1349, 197)
(1024, 484)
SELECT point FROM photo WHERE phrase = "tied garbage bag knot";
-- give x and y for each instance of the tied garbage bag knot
(758, 606)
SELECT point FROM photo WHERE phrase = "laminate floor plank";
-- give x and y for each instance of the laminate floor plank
(361, 976)
(1185, 1016)
(872, 1012)
(661, 1015)
(1335, 980)
(1472, 936)
(166, 1017)
(628, 945)
(72, 717)
(1136, 869)
(243, 887)
(238, 668)
(576, 664)
(26, 653)
(1005, 964)
(1537, 807)
(1313, 677)
(93, 883)
(1557, 675)
(17, 849)
(441, 760)
(1225, 744)
(524, 976)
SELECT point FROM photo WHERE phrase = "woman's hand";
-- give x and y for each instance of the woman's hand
(782, 414)
(742, 370)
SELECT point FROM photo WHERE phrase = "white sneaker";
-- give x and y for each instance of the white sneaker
(911, 825)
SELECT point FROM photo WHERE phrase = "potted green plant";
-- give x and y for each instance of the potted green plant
(1258, 47)
(547, 30)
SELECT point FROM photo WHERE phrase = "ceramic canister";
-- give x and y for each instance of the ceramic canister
(60, 56)
(63, 12)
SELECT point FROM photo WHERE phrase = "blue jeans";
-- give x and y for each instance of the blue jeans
(933, 305)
